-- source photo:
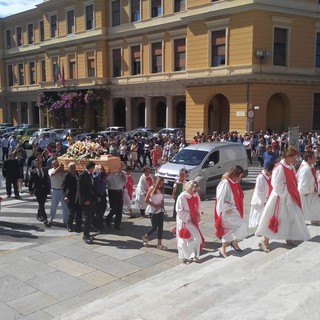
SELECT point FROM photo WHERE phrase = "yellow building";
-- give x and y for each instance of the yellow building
(169, 63)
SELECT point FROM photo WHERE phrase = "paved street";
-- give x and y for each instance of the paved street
(19, 227)
(46, 272)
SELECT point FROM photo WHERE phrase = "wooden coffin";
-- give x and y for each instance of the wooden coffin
(107, 161)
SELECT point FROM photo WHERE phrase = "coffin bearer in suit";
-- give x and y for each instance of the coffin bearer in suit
(116, 182)
(56, 175)
(69, 189)
(86, 199)
(100, 195)
(11, 172)
(39, 185)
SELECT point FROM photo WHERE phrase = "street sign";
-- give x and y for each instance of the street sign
(250, 114)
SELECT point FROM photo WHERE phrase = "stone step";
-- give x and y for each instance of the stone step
(167, 293)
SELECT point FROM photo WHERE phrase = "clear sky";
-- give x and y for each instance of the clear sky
(9, 7)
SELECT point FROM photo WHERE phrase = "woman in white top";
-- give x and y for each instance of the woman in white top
(260, 195)
(308, 188)
(188, 209)
(284, 204)
(155, 201)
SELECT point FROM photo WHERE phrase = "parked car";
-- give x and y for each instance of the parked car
(129, 135)
(119, 129)
(107, 134)
(83, 136)
(25, 137)
(173, 132)
(205, 162)
(73, 131)
(5, 124)
(24, 125)
(51, 136)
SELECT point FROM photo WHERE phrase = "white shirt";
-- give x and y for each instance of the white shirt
(56, 180)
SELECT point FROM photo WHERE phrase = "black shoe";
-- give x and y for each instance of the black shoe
(47, 223)
(70, 229)
(18, 197)
(87, 240)
(40, 219)
(117, 228)
(78, 230)
(8, 196)
(234, 248)
(108, 224)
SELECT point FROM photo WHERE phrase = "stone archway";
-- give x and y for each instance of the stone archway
(218, 114)
(120, 113)
(181, 115)
(278, 107)
(161, 115)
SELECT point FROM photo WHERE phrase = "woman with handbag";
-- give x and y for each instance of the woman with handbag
(189, 238)
(228, 210)
(155, 208)
(282, 216)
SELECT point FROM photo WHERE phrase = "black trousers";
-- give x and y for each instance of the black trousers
(87, 212)
(116, 205)
(157, 224)
(41, 198)
(75, 213)
(100, 209)
(5, 153)
(12, 182)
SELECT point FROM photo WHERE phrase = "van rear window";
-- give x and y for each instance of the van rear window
(189, 157)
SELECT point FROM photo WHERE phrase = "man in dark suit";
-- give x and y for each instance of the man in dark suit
(39, 185)
(86, 199)
(11, 173)
(69, 188)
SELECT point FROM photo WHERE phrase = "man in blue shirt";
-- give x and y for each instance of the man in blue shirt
(269, 156)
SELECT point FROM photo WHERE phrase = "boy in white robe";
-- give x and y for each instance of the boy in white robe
(308, 188)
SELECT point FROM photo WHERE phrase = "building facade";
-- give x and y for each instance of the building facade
(198, 64)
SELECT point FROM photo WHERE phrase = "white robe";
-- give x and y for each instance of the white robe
(141, 191)
(231, 222)
(307, 188)
(187, 248)
(291, 222)
(259, 199)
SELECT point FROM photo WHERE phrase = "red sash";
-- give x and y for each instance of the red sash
(237, 196)
(313, 171)
(129, 185)
(292, 185)
(238, 199)
(193, 203)
(269, 184)
(149, 181)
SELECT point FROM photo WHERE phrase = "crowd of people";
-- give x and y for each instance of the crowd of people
(280, 196)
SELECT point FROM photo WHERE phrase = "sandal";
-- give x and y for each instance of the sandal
(196, 260)
(185, 261)
(263, 247)
(145, 241)
(162, 247)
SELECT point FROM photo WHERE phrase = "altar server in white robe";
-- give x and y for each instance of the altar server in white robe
(308, 188)
(260, 195)
(228, 210)
(291, 227)
(188, 209)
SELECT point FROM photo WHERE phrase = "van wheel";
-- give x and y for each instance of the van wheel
(203, 188)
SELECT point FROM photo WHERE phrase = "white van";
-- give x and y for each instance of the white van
(206, 163)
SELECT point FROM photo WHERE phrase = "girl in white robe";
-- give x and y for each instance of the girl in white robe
(188, 209)
(308, 188)
(145, 182)
(229, 210)
(260, 195)
(291, 223)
